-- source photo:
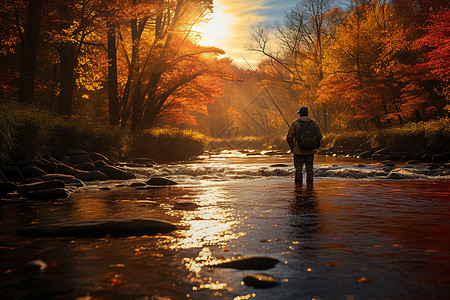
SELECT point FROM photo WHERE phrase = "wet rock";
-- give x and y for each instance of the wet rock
(97, 156)
(7, 187)
(50, 194)
(31, 180)
(99, 164)
(394, 175)
(100, 228)
(115, 173)
(12, 173)
(86, 166)
(43, 185)
(80, 158)
(92, 176)
(66, 160)
(137, 184)
(30, 171)
(441, 158)
(49, 167)
(261, 280)
(34, 267)
(24, 163)
(279, 166)
(62, 168)
(105, 188)
(250, 263)
(160, 181)
(68, 179)
(185, 206)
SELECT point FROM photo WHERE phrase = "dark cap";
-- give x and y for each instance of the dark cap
(303, 111)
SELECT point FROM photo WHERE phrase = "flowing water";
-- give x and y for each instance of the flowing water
(362, 231)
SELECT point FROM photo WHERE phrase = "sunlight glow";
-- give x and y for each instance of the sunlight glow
(219, 29)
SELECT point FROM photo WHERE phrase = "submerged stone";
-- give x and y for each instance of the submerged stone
(261, 280)
(160, 181)
(99, 228)
(250, 263)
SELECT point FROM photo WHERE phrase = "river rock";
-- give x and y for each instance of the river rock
(92, 176)
(34, 267)
(279, 166)
(12, 173)
(138, 184)
(43, 185)
(49, 167)
(7, 187)
(97, 156)
(50, 194)
(80, 158)
(31, 180)
(115, 173)
(250, 263)
(62, 168)
(261, 280)
(99, 164)
(68, 179)
(441, 158)
(86, 166)
(160, 181)
(99, 228)
(66, 160)
(30, 171)
(24, 163)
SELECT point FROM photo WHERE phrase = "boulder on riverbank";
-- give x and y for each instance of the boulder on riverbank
(99, 228)
(249, 263)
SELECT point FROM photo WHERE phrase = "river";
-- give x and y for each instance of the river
(362, 231)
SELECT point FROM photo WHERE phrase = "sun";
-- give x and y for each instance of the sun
(219, 29)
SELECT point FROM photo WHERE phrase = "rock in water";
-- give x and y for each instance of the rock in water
(68, 179)
(50, 194)
(34, 267)
(116, 173)
(261, 280)
(160, 181)
(43, 185)
(250, 263)
(30, 171)
(92, 176)
(100, 228)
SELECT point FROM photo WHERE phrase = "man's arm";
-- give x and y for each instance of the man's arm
(290, 136)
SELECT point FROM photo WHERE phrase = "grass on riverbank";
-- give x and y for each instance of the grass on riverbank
(430, 136)
(27, 132)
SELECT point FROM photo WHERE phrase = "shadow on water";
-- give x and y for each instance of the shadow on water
(305, 211)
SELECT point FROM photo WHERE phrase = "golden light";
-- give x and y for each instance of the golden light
(219, 29)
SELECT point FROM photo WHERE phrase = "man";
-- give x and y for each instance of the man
(304, 138)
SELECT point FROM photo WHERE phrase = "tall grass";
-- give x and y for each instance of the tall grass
(429, 136)
(168, 143)
(27, 132)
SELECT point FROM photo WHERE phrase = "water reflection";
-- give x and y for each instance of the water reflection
(305, 215)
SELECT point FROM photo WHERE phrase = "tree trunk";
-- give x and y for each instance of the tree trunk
(112, 77)
(67, 55)
(29, 52)
(137, 108)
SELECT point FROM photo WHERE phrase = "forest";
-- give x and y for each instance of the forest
(139, 64)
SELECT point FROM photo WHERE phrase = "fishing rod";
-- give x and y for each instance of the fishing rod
(273, 101)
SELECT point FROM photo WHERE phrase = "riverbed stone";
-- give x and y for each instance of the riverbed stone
(62, 168)
(138, 184)
(49, 167)
(50, 194)
(99, 164)
(34, 267)
(80, 158)
(97, 156)
(12, 173)
(249, 263)
(86, 166)
(115, 173)
(7, 187)
(441, 158)
(160, 181)
(24, 163)
(30, 171)
(43, 185)
(68, 179)
(92, 176)
(261, 280)
(99, 228)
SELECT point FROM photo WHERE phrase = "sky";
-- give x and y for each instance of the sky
(231, 25)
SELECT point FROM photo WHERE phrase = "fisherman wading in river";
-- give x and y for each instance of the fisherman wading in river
(304, 138)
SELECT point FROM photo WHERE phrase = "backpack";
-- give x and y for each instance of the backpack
(307, 135)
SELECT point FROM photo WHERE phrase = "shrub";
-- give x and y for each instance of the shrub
(168, 143)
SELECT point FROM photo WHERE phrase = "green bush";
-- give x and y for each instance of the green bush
(168, 143)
